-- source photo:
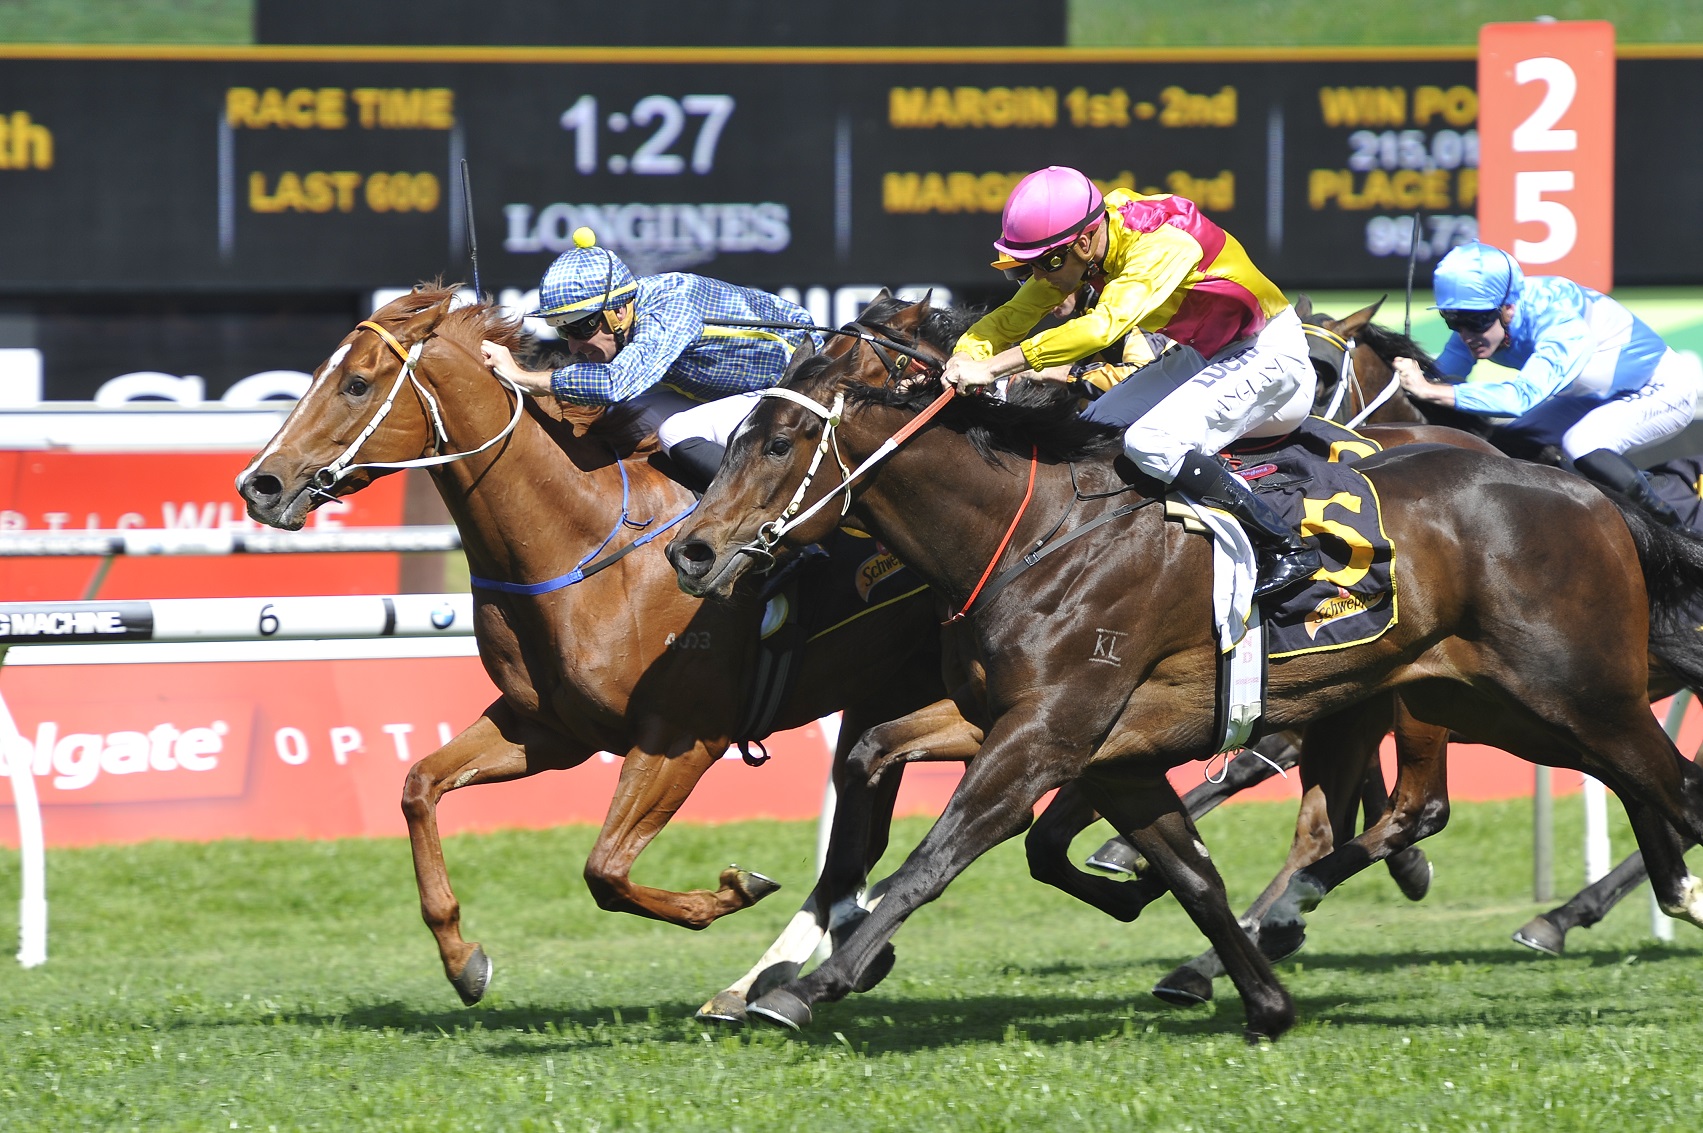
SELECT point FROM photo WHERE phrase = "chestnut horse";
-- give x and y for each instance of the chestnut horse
(581, 668)
(1526, 618)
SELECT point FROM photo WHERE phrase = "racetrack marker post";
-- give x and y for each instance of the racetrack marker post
(32, 854)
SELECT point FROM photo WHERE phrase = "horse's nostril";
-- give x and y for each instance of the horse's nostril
(692, 558)
(264, 486)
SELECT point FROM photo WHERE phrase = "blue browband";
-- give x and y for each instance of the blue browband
(581, 571)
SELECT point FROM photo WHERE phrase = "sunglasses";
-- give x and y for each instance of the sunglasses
(582, 329)
(1048, 261)
(1472, 322)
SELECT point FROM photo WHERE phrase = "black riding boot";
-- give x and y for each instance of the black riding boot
(696, 462)
(1611, 469)
(1286, 558)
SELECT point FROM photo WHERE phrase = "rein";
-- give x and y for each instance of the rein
(345, 464)
(1029, 494)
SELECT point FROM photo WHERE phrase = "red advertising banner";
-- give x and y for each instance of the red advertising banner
(319, 749)
(1546, 146)
(57, 490)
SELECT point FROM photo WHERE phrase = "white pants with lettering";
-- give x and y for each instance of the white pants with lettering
(714, 420)
(1662, 407)
(1256, 387)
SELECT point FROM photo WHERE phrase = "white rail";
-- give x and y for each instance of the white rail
(316, 618)
(147, 542)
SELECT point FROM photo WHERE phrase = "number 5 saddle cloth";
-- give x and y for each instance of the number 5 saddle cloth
(1309, 477)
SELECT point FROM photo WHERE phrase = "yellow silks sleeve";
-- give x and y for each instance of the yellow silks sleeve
(1007, 324)
(1144, 274)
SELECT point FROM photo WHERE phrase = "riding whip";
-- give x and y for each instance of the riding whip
(473, 240)
(1412, 262)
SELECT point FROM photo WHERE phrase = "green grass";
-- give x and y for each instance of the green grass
(1092, 23)
(127, 21)
(290, 986)
(1391, 23)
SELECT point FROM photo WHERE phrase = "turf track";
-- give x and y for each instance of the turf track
(286, 986)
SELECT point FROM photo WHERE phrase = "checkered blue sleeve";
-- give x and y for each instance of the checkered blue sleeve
(659, 337)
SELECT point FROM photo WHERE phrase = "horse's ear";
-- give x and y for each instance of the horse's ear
(923, 306)
(806, 349)
(422, 323)
(1357, 322)
(1304, 306)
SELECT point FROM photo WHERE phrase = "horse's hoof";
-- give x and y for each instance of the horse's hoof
(749, 884)
(1540, 935)
(1411, 870)
(726, 1007)
(778, 974)
(877, 969)
(1184, 987)
(1117, 856)
(475, 977)
(782, 1008)
(1279, 942)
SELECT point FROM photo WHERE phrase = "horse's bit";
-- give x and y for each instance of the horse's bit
(345, 464)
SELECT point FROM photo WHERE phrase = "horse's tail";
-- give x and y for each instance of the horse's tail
(1672, 563)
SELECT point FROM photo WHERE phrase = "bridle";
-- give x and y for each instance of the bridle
(1337, 354)
(345, 464)
(899, 359)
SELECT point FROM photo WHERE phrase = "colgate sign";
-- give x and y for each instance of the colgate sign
(200, 751)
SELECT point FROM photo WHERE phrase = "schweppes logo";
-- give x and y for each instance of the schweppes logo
(875, 568)
(1340, 605)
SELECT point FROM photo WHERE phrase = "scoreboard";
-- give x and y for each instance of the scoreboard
(271, 170)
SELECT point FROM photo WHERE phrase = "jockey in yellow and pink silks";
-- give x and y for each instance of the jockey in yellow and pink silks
(1162, 271)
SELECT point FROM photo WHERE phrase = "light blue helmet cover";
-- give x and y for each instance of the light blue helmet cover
(583, 280)
(1477, 277)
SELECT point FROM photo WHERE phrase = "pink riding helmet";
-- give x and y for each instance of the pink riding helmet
(1046, 209)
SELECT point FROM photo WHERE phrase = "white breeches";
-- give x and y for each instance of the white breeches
(713, 420)
(1258, 387)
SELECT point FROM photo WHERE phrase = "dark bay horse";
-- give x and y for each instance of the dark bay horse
(621, 661)
(1373, 350)
(1502, 565)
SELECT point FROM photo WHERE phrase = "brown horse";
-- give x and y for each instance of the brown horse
(621, 661)
(1502, 565)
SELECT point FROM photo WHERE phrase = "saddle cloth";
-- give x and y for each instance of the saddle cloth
(1308, 476)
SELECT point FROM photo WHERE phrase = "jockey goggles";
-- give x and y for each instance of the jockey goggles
(581, 328)
(1048, 261)
(1471, 322)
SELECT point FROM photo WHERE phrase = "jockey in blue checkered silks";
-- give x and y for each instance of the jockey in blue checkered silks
(643, 345)
(1591, 379)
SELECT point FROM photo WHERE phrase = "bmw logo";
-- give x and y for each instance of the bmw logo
(443, 617)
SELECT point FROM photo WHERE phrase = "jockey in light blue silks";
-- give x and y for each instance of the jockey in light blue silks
(642, 345)
(1593, 379)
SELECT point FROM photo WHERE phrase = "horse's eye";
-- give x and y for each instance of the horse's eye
(357, 387)
(779, 446)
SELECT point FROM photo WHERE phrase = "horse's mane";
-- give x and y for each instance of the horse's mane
(467, 324)
(1037, 415)
(473, 322)
(1390, 345)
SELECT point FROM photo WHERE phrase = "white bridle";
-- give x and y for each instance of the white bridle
(771, 532)
(345, 464)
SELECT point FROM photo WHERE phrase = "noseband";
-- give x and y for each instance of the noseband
(345, 464)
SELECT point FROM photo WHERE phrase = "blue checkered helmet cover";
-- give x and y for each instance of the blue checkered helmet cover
(584, 280)
(1477, 277)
